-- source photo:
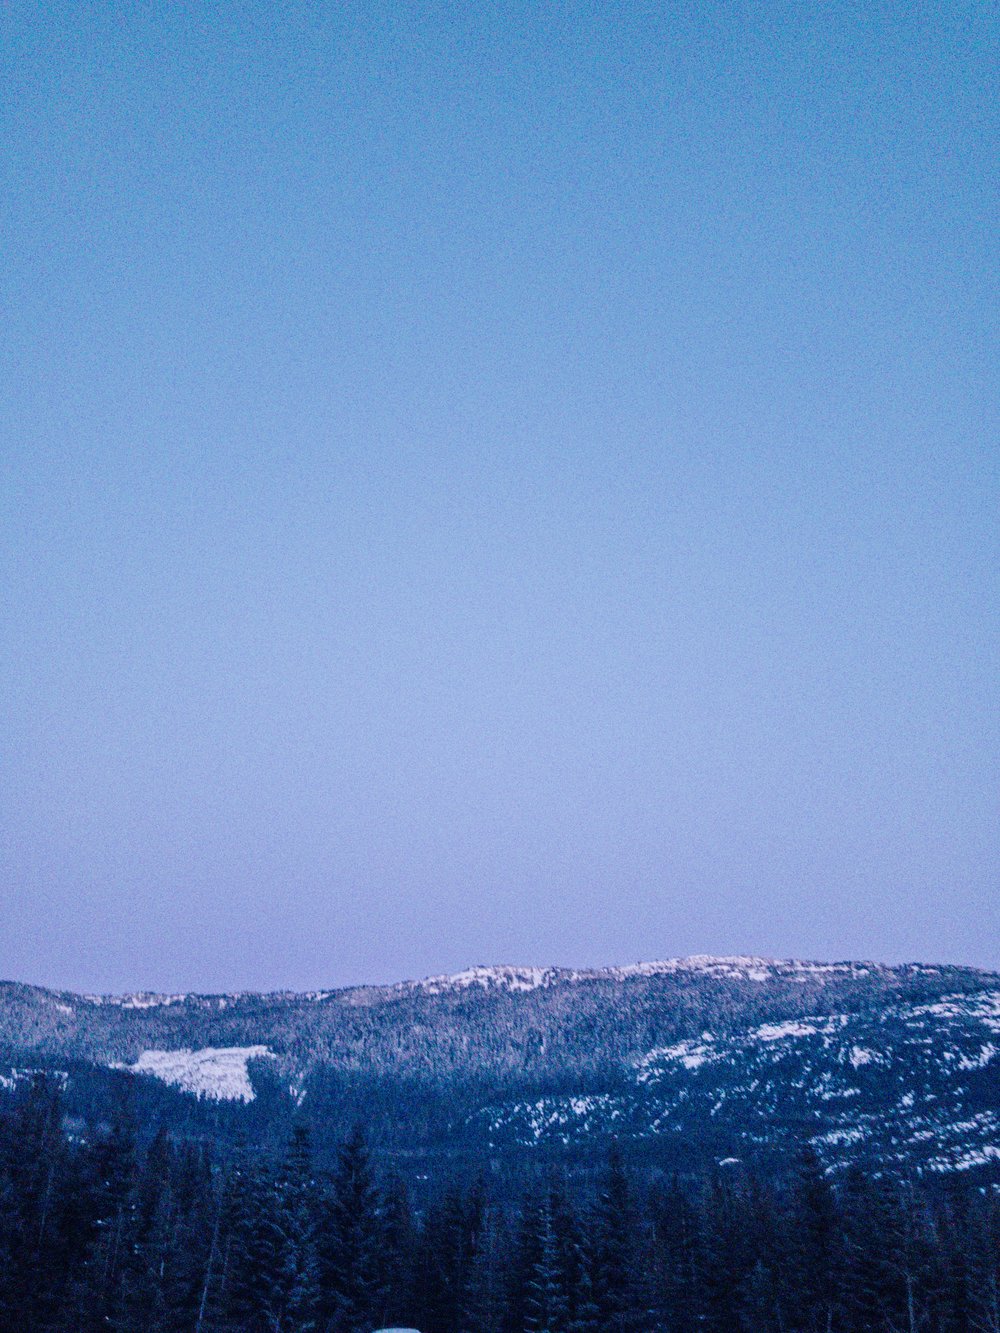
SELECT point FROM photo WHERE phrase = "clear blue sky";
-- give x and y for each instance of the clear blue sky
(496, 482)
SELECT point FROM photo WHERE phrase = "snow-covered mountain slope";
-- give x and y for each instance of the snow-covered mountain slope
(706, 965)
(723, 1057)
(909, 1083)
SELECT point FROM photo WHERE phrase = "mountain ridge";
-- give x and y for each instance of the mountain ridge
(528, 977)
(717, 1057)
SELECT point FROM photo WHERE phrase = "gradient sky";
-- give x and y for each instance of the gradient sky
(496, 482)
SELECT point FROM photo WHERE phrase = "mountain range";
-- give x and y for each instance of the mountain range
(689, 1062)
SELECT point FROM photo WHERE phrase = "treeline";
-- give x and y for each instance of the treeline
(100, 1232)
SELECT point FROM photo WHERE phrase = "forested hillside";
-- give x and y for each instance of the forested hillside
(690, 1061)
(98, 1232)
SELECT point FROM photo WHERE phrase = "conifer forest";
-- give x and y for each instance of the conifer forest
(105, 1228)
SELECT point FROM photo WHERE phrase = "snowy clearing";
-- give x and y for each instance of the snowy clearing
(215, 1071)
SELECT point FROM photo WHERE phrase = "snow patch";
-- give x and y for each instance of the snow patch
(690, 1054)
(861, 1055)
(795, 1027)
(751, 969)
(841, 1137)
(965, 1161)
(13, 1078)
(139, 1000)
(984, 1005)
(982, 1057)
(219, 1072)
(489, 978)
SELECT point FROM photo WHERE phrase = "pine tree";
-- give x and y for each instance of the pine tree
(109, 1191)
(399, 1241)
(546, 1303)
(981, 1243)
(812, 1243)
(614, 1226)
(722, 1259)
(140, 1300)
(446, 1258)
(758, 1306)
(33, 1163)
(486, 1293)
(247, 1265)
(585, 1316)
(523, 1263)
(352, 1245)
(675, 1256)
(890, 1270)
(298, 1196)
(576, 1263)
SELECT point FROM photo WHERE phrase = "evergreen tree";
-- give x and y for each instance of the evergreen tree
(979, 1238)
(291, 1297)
(352, 1245)
(723, 1265)
(141, 1297)
(576, 1263)
(446, 1261)
(675, 1257)
(33, 1164)
(247, 1267)
(109, 1198)
(524, 1261)
(890, 1276)
(614, 1240)
(812, 1243)
(399, 1243)
(546, 1302)
(486, 1295)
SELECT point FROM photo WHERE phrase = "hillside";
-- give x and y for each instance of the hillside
(688, 1060)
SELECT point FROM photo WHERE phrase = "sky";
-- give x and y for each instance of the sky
(495, 482)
